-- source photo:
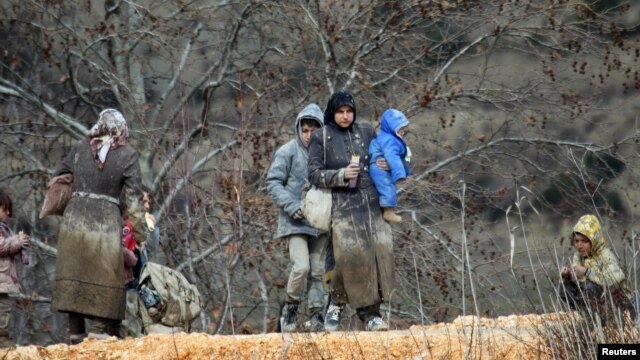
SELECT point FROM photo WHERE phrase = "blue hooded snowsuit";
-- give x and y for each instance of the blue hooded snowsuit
(390, 146)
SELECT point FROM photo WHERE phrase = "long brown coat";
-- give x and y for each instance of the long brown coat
(362, 240)
(89, 265)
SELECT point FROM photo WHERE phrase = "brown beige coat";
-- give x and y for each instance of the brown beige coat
(89, 266)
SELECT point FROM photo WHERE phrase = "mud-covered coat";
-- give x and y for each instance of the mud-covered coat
(287, 175)
(362, 240)
(89, 266)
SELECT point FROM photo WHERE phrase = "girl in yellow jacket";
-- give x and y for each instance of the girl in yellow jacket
(594, 276)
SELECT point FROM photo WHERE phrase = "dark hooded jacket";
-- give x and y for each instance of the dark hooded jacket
(362, 240)
(287, 175)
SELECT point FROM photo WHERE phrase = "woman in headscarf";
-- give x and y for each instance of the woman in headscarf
(89, 273)
(361, 242)
(594, 278)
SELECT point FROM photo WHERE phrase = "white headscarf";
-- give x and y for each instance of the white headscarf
(109, 132)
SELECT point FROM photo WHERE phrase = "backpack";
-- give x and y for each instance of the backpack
(167, 302)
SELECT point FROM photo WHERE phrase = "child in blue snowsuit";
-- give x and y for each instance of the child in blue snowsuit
(390, 145)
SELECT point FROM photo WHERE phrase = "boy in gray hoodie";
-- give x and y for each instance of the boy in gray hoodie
(285, 179)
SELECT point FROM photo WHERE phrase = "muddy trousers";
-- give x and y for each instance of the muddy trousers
(6, 306)
(307, 258)
(80, 324)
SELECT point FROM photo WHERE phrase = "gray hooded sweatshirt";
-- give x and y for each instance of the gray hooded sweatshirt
(287, 175)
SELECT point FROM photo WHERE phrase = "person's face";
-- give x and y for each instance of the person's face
(4, 214)
(305, 133)
(344, 116)
(401, 132)
(582, 244)
(146, 201)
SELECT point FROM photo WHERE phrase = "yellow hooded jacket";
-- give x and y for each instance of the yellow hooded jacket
(602, 264)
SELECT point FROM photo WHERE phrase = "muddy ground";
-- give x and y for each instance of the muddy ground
(512, 337)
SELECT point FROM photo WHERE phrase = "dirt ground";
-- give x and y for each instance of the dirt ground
(511, 337)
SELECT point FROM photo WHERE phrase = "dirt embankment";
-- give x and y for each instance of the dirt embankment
(512, 337)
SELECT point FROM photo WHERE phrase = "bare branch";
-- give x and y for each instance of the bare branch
(187, 177)
(70, 125)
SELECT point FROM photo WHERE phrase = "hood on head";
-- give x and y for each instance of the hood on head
(392, 120)
(589, 226)
(336, 100)
(311, 111)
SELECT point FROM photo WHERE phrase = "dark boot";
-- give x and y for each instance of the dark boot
(289, 317)
(5, 339)
(100, 328)
(77, 332)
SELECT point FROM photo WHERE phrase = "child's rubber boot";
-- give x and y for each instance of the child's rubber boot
(390, 216)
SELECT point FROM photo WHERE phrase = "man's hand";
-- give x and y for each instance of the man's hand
(351, 171)
(298, 215)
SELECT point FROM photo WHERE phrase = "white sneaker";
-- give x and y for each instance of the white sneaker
(100, 336)
(332, 319)
(377, 324)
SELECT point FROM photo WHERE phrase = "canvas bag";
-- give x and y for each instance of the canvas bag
(316, 201)
(176, 301)
(59, 191)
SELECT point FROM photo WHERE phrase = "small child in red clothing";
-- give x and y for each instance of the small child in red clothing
(129, 253)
